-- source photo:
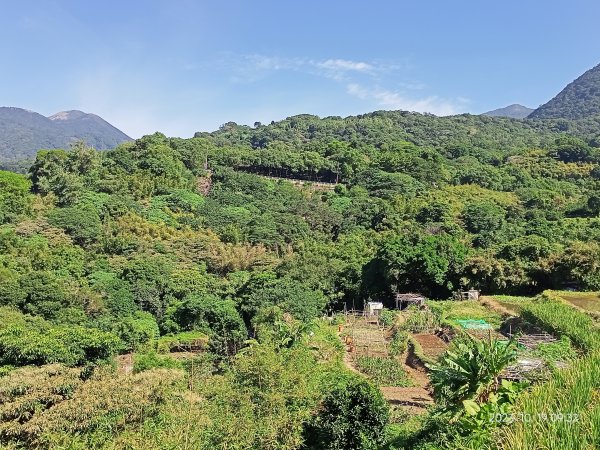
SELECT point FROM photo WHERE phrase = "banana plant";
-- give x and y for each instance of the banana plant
(469, 370)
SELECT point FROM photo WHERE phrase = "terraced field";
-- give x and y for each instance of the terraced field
(588, 301)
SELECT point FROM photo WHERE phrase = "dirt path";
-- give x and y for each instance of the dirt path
(414, 400)
(491, 303)
(349, 363)
(125, 363)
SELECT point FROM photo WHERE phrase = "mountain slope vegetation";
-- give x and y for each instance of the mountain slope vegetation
(579, 100)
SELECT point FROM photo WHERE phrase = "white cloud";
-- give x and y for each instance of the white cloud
(397, 100)
(253, 67)
(363, 79)
(345, 65)
(139, 106)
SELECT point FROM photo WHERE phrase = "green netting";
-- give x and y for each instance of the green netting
(474, 324)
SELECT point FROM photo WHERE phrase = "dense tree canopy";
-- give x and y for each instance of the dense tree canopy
(101, 237)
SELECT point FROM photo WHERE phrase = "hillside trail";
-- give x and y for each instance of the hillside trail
(491, 303)
(416, 398)
(125, 364)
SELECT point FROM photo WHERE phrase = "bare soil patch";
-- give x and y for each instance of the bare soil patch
(414, 399)
(125, 364)
(432, 345)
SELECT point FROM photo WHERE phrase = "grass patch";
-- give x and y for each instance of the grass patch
(451, 311)
(561, 350)
(399, 343)
(513, 303)
(562, 413)
(147, 361)
(325, 342)
(186, 341)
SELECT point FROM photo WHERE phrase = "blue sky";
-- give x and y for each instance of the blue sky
(180, 66)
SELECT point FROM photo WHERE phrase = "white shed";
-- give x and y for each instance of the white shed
(374, 308)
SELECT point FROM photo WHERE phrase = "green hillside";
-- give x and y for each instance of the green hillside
(170, 293)
(579, 100)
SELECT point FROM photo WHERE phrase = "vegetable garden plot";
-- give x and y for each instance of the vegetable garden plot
(365, 338)
(432, 346)
(473, 315)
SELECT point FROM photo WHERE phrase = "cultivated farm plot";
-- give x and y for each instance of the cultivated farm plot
(432, 346)
(588, 301)
(369, 340)
(452, 312)
(512, 304)
(367, 352)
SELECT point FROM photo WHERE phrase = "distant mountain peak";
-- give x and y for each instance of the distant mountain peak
(23, 132)
(578, 100)
(514, 111)
(69, 115)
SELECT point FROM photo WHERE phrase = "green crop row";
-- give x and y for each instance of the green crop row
(554, 316)
(383, 371)
(562, 413)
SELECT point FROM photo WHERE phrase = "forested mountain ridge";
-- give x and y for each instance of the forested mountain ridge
(579, 99)
(380, 128)
(23, 132)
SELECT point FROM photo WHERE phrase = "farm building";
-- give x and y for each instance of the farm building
(405, 300)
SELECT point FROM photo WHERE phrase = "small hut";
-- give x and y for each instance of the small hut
(471, 294)
(374, 309)
(405, 300)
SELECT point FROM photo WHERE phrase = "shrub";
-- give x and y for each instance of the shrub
(399, 343)
(29, 391)
(14, 196)
(387, 317)
(54, 407)
(82, 223)
(137, 330)
(147, 361)
(353, 415)
(73, 346)
(469, 370)
(216, 317)
(419, 320)
(186, 341)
